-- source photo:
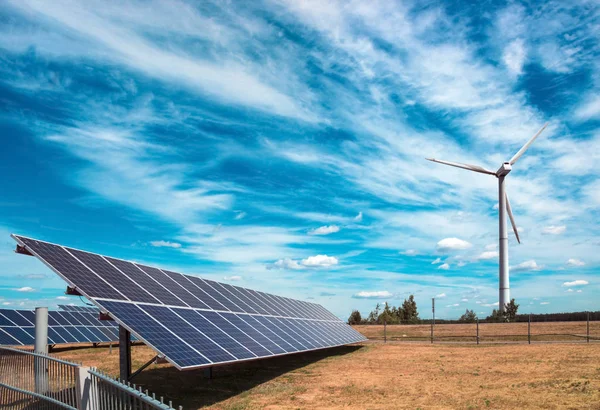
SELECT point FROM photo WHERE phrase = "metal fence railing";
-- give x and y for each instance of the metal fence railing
(108, 394)
(37, 381)
(481, 333)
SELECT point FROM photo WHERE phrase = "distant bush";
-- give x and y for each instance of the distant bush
(355, 318)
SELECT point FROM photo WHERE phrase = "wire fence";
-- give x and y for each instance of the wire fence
(481, 333)
(109, 394)
(37, 381)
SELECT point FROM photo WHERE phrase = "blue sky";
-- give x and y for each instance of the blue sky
(280, 145)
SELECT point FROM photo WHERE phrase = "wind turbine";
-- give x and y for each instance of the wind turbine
(503, 204)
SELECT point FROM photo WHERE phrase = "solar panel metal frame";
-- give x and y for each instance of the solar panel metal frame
(97, 301)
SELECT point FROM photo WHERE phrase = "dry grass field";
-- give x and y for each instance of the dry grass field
(374, 375)
(488, 332)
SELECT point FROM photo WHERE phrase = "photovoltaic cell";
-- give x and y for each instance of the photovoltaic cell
(72, 269)
(146, 281)
(109, 273)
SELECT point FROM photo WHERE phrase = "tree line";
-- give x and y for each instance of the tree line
(408, 313)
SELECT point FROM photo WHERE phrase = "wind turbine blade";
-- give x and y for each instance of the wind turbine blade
(522, 150)
(512, 218)
(475, 168)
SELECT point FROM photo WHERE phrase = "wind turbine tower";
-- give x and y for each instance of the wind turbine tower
(503, 209)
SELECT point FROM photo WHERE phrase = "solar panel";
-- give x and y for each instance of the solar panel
(193, 322)
(17, 327)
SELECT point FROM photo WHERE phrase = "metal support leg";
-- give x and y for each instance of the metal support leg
(124, 354)
(208, 373)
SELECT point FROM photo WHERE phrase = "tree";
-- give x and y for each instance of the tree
(355, 318)
(374, 315)
(409, 310)
(496, 316)
(510, 310)
(387, 316)
(509, 314)
(468, 317)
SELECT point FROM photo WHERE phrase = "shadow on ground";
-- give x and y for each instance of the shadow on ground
(192, 390)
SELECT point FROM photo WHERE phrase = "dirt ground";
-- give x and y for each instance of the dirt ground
(490, 332)
(374, 375)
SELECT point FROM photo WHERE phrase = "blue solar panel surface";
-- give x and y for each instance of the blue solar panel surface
(193, 322)
(76, 324)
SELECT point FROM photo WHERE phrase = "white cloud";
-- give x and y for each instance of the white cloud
(240, 215)
(234, 278)
(410, 252)
(589, 109)
(464, 300)
(526, 266)
(554, 229)
(444, 266)
(165, 244)
(320, 261)
(441, 295)
(325, 230)
(491, 247)
(6, 303)
(25, 289)
(579, 282)
(453, 305)
(514, 56)
(575, 262)
(436, 261)
(381, 294)
(491, 304)
(569, 290)
(452, 244)
(62, 298)
(285, 263)
(488, 255)
(544, 303)
(359, 217)
(579, 291)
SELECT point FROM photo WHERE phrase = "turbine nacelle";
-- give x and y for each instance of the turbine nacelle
(504, 169)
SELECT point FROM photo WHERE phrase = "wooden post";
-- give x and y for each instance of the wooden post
(588, 327)
(529, 330)
(384, 331)
(477, 330)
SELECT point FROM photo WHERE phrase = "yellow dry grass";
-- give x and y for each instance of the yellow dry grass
(374, 375)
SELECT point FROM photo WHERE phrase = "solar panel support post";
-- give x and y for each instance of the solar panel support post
(148, 363)
(208, 373)
(41, 346)
(124, 354)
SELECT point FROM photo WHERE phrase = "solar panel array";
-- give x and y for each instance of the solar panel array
(71, 308)
(194, 322)
(17, 327)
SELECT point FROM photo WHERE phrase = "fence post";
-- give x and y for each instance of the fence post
(41, 347)
(83, 387)
(433, 317)
(588, 327)
(529, 330)
(477, 330)
(384, 331)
